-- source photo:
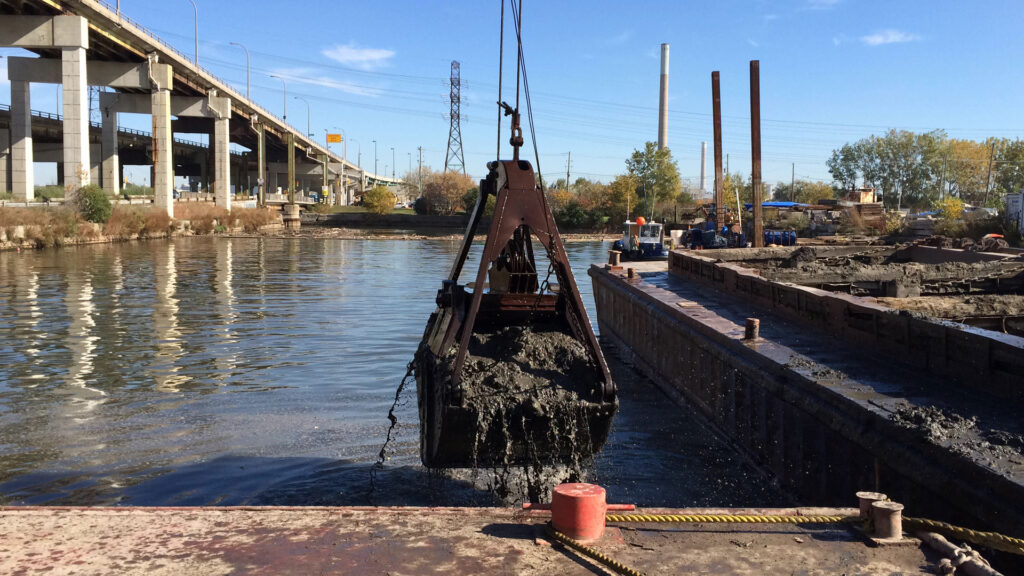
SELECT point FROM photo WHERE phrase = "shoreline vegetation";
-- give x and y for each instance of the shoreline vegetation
(61, 226)
(36, 228)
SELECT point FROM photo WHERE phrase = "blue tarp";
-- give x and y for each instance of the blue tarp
(775, 205)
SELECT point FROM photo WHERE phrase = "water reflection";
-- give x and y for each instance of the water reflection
(225, 361)
(167, 334)
(81, 341)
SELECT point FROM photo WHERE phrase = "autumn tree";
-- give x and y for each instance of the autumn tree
(379, 200)
(733, 187)
(966, 169)
(443, 191)
(621, 199)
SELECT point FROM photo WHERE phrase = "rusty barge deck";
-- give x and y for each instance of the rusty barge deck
(300, 540)
(838, 393)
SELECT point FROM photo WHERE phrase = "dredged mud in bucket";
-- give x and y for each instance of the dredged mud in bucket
(527, 386)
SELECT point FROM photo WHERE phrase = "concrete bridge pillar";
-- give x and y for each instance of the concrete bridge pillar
(77, 168)
(111, 160)
(163, 157)
(222, 163)
(5, 158)
(22, 174)
(261, 165)
(290, 145)
(95, 155)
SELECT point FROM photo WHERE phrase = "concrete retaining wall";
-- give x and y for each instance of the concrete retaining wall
(970, 357)
(819, 442)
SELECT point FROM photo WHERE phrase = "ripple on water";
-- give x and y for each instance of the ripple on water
(259, 371)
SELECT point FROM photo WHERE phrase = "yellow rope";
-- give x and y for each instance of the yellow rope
(615, 565)
(731, 518)
(992, 540)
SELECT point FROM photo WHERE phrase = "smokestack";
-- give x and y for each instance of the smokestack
(663, 102)
(703, 166)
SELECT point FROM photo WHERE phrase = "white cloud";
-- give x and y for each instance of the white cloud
(753, 43)
(362, 58)
(889, 36)
(822, 4)
(315, 77)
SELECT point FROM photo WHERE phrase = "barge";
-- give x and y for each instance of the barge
(829, 391)
(313, 540)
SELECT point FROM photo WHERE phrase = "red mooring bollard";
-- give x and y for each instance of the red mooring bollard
(578, 510)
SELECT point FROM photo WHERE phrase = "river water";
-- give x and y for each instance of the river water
(229, 371)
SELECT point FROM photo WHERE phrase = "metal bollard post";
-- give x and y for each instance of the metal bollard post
(614, 257)
(888, 520)
(630, 273)
(752, 330)
(866, 499)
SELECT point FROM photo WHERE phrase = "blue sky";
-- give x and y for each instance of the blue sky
(832, 71)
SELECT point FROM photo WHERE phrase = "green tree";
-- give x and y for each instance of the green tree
(844, 165)
(93, 204)
(1009, 166)
(905, 166)
(469, 201)
(803, 191)
(656, 171)
(379, 201)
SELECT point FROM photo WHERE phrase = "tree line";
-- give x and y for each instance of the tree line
(914, 170)
(909, 170)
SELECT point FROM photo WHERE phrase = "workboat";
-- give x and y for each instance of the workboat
(642, 240)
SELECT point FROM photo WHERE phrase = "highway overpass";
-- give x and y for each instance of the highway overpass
(82, 43)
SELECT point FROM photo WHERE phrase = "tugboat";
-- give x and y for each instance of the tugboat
(642, 240)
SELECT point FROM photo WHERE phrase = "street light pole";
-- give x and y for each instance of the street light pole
(344, 154)
(285, 118)
(308, 133)
(248, 66)
(374, 158)
(392, 163)
(195, 57)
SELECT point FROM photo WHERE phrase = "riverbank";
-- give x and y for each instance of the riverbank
(34, 228)
(325, 232)
(31, 229)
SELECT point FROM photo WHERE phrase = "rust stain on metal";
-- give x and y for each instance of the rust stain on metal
(258, 541)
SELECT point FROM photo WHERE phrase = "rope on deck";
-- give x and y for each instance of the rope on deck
(585, 550)
(992, 540)
(732, 519)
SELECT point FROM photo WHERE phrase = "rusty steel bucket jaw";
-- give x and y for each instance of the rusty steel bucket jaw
(521, 217)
